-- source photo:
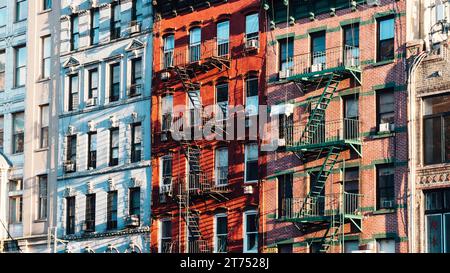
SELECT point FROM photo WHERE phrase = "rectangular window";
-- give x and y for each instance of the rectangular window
(351, 45)
(74, 32)
(92, 150)
(351, 188)
(195, 39)
(135, 201)
(46, 56)
(166, 173)
(169, 45)
(221, 162)
(385, 187)
(286, 50)
(18, 132)
(167, 109)
(251, 162)
(386, 33)
(136, 142)
(2, 16)
(385, 245)
(136, 11)
(93, 83)
(47, 4)
(2, 131)
(351, 245)
(166, 236)
(45, 116)
(95, 26)
(318, 51)
(251, 100)
(2, 70)
(15, 209)
(71, 152)
(73, 92)
(351, 116)
(114, 82)
(437, 216)
(111, 210)
(115, 21)
(252, 30)
(385, 109)
(223, 39)
(114, 147)
(20, 75)
(221, 234)
(136, 77)
(90, 212)
(70, 215)
(251, 232)
(222, 100)
(21, 10)
(285, 124)
(285, 194)
(436, 123)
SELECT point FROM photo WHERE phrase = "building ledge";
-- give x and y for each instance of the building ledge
(105, 234)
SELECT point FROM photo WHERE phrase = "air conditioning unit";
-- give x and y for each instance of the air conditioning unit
(317, 67)
(91, 102)
(252, 44)
(286, 73)
(388, 204)
(162, 198)
(248, 189)
(352, 62)
(281, 142)
(135, 27)
(165, 189)
(132, 221)
(165, 76)
(69, 166)
(373, 2)
(164, 136)
(386, 127)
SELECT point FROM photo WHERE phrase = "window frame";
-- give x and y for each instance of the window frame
(131, 209)
(246, 234)
(161, 232)
(46, 5)
(18, 7)
(18, 68)
(94, 26)
(74, 32)
(134, 156)
(73, 86)
(115, 27)
(90, 212)
(111, 209)
(385, 188)
(114, 97)
(112, 131)
(70, 215)
(42, 197)
(380, 93)
(246, 161)
(221, 169)
(18, 135)
(216, 234)
(92, 154)
(46, 70)
(44, 128)
(379, 41)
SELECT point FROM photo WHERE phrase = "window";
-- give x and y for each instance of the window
(195, 39)
(385, 108)
(221, 233)
(93, 83)
(73, 92)
(251, 101)
(90, 212)
(351, 245)
(92, 150)
(437, 224)
(385, 46)
(70, 215)
(169, 45)
(351, 45)
(286, 49)
(285, 248)
(43, 141)
(223, 38)
(20, 66)
(167, 109)
(166, 236)
(251, 162)
(285, 185)
(318, 51)
(18, 132)
(21, 10)
(111, 210)
(47, 4)
(436, 124)
(136, 142)
(385, 245)
(71, 152)
(114, 147)
(136, 11)
(166, 171)
(351, 188)
(285, 124)
(114, 82)
(95, 27)
(222, 100)
(136, 77)
(2, 70)
(3, 16)
(385, 187)
(135, 201)
(2, 130)
(221, 162)
(252, 28)
(74, 32)
(251, 232)
(115, 21)
(351, 117)
(15, 209)
(46, 56)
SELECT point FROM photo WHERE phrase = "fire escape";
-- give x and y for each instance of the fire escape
(321, 139)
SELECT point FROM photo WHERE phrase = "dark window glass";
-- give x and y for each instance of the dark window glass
(74, 33)
(73, 92)
(114, 147)
(90, 212)
(115, 21)
(385, 106)
(386, 29)
(70, 217)
(285, 185)
(286, 53)
(114, 89)
(136, 77)
(318, 48)
(95, 26)
(136, 142)
(92, 150)
(385, 187)
(93, 83)
(112, 210)
(135, 201)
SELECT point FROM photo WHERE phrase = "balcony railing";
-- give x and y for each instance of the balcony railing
(346, 57)
(169, 246)
(329, 131)
(221, 180)
(135, 90)
(325, 205)
(199, 246)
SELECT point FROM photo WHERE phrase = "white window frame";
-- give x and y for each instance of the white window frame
(245, 161)
(166, 108)
(384, 239)
(160, 235)
(217, 162)
(161, 171)
(218, 215)
(244, 232)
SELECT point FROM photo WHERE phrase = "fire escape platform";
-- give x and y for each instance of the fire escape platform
(312, 77)
(320, 219)
(321, 145)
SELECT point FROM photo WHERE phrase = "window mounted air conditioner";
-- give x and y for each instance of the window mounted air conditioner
(135, 27)
(248, 189)
(251, 44)
(69, 166)
(285, 73)
(317, 67)
(132, 221)
(388, 203)
(165, 76)
(162, 198)
(165, 189)
(373, 2)
(352, 62)
(91, 102)
(164, 136)
(386, 127)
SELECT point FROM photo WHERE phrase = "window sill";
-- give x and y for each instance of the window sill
(379, 135)
(253, 182)
(40, 80)
(383, 211)
(41, 149)
(381, 63)
(44, 11)
(40, 220)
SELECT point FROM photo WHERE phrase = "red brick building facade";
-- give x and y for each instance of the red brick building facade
(205, 192)
(336, 82)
